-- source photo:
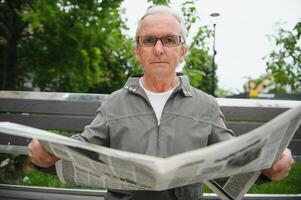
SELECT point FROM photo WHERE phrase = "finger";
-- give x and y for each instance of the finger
(284, 162)
(39, 156)
(280, 169)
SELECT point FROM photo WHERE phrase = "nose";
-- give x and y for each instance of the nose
(158, 48)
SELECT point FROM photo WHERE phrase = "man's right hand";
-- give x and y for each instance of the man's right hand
(39, 156)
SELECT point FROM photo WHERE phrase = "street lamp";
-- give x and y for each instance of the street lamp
(213, 87)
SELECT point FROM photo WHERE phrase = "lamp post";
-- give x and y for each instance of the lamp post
(213, 86)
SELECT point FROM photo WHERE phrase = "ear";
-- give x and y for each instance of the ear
(184, 51)
(136, 52)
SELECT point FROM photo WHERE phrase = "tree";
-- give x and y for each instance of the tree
(11, 33)
(75, 46)
(284, 63)
(80, 46)
(198, 62)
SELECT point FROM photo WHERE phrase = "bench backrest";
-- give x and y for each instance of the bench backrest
(71, 112)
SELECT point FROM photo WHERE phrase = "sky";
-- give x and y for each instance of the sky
(242, 31)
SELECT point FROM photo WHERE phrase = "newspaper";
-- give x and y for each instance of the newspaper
(240, 159)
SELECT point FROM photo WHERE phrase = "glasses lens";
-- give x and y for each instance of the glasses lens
(147, 41)
(168, 41)
(171, 40)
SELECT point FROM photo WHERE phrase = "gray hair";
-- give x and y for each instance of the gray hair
(164, 9)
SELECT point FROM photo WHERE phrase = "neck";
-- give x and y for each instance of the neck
(159, 84)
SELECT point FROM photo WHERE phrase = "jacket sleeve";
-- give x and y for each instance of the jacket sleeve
(97, 132)
(219, 131)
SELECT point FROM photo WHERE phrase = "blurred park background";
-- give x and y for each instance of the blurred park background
(85, 46)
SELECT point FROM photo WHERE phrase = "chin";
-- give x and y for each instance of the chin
(163, 71)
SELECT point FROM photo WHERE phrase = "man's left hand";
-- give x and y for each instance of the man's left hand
(280, 169)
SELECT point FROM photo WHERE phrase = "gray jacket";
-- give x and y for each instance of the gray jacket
(126, 121)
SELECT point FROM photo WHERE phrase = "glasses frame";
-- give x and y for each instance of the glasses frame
(181, 40)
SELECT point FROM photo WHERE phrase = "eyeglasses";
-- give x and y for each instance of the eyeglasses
(167, 41)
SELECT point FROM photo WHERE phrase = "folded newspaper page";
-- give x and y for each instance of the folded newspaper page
(239, 158)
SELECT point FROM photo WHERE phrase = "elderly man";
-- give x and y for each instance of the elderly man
(159, 113)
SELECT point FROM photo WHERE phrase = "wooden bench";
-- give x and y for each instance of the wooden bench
(71, 112)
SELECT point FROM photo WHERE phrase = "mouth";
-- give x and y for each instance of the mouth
(158, 62)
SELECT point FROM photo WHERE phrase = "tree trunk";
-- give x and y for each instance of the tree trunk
(11, 75)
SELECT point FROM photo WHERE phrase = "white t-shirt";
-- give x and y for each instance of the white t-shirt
(157, 100)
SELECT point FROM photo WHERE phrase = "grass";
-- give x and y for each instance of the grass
(34, 177)
(289, 185)
(21, 172)
(26, 175)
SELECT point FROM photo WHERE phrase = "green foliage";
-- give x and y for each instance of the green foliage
(80, 46)
(289, 185)
(284, 63)
(222, 93)
(12, 28)
(12, 162)
(189, 13)
(198, 61)
(83, 46)
(156, 2)
(75, 46)
(199, 66)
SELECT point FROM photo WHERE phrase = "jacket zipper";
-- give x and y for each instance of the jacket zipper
(154, 114)
(153, 111)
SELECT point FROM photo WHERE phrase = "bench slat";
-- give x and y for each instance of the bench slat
(240, 128)
(251, 113)
(77, 123)
(48, 122)
(13, 140)
(89, 108)
(49, 106)
(294, 146)
(243, 127)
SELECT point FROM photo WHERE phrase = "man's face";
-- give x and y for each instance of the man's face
(159, 59)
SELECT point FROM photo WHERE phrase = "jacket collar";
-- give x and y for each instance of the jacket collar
(132, 85)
